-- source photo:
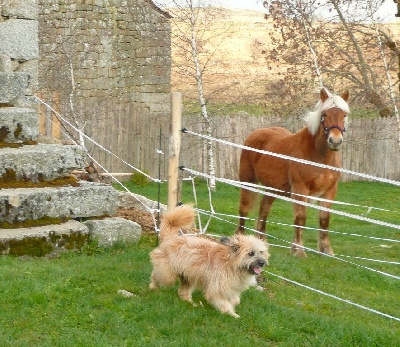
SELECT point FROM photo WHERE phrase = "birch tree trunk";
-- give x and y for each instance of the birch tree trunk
(194, 20)
(79, 123)
(202, 100)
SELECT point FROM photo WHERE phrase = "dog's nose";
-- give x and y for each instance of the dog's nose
(261, 263)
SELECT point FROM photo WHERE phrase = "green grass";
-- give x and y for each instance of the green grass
(257, 109)
(72, 300)
(226, 109)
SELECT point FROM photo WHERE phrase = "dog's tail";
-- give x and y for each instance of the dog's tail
(176, 219)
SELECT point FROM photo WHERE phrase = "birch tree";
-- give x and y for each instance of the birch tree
(344, 44)
(197, 42)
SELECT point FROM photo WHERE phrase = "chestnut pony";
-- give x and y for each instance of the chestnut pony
(319, 142)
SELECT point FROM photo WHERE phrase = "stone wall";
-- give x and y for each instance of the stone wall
(105, 65)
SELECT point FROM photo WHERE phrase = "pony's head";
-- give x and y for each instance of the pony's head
(330, 115)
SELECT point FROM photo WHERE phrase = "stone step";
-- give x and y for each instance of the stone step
(72, 235)
(108, 231)
(89, 199)
(18, 125)
(41, 162)
(44, 240)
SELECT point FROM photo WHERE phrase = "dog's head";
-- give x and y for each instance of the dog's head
(251, 253)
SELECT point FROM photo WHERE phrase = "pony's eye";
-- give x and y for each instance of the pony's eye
(251, 254)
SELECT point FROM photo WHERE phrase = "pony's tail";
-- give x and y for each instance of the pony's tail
(181, 217)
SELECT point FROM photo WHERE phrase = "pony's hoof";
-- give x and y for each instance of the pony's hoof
(328, 252)
(298, 253)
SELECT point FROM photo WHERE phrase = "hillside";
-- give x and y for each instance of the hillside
(238, 71)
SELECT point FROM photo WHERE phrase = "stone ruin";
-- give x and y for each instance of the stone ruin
(43, 208)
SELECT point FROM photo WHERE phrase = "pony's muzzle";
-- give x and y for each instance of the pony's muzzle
(335, 142)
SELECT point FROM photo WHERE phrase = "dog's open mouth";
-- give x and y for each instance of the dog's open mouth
(255, 270)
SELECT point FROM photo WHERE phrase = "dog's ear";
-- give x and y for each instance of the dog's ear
(225, 240)
(230, 242)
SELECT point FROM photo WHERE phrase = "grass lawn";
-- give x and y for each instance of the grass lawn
(72, 300)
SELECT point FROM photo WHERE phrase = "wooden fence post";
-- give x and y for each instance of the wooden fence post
(174, 149)
(55, 122)
(42, 117)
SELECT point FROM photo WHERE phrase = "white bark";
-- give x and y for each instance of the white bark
(310, 47)
(80, 124)
(202, 100)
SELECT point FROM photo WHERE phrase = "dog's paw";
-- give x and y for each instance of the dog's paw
(196, 304)
(152, 286)
(234, 314)
(125, 293)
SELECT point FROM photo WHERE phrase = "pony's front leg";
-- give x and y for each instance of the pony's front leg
(324, 245)
(297, 249)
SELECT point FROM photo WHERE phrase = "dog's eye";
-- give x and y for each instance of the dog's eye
(251, 254)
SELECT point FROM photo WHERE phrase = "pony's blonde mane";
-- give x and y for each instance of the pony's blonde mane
(313, 119)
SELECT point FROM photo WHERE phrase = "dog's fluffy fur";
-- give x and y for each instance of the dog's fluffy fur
(221, 270)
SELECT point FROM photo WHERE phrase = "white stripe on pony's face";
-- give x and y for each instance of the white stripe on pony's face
(334, 120)
(326, 102)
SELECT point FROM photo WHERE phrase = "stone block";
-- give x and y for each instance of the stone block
(31, 68)
(87, 200)
(43, 162)
(12, 86)
(27, 9)
(26, 101)
(5, 63)
(111, 230)
(19, 39)
(44, 240)
(18, 125)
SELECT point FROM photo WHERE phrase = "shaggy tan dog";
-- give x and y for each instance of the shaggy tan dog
(221, 270)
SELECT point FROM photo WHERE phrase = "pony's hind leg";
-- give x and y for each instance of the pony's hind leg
(247, 199)
(265, 208)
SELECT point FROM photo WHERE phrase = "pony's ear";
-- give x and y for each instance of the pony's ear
(323, 94)
(345, 95)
